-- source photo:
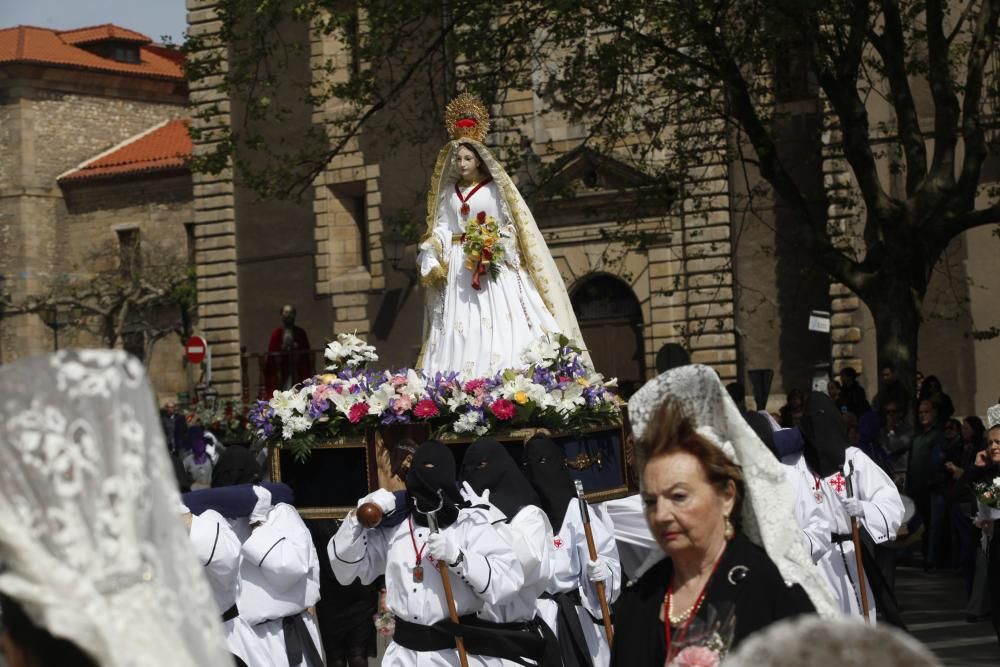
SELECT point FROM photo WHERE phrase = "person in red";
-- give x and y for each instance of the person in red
(289, 359)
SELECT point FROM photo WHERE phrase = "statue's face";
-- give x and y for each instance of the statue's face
(466, 163)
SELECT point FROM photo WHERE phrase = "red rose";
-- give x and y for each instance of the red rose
(357, 412)
(425, 408)
(503, 409)
(481, 217)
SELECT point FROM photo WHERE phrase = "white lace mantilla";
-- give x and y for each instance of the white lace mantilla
(90, 543)
(768, 510)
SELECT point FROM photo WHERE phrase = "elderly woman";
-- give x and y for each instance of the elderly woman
(716, 585)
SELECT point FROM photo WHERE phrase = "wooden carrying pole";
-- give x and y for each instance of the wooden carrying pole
(856, 537)
(463, 657)
(598, 585)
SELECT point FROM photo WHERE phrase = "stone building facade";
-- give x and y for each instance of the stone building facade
(713, 278)
(68, 98)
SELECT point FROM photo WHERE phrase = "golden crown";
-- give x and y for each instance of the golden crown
(466, 117)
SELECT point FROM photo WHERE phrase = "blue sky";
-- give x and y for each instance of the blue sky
(154, 18)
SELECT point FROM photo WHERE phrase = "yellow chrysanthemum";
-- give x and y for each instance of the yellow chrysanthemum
(520, 398)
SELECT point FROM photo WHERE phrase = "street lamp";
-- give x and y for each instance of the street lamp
(395, 247)
(58, 316)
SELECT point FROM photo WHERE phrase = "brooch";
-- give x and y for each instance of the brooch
(738, 574)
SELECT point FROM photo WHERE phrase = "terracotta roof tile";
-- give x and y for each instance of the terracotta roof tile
(166, 146)
(28, 44)
(98, 33)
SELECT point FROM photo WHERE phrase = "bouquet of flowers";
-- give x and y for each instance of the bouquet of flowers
(482, 247)
(706, 641)
(348, 351)
(988, 495)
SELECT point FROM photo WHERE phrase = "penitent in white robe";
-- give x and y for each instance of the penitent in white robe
(279, 577)
(529, 535)
(489, 574)
(218, 549)
(570, 572)
(480, 332)
(883, 514)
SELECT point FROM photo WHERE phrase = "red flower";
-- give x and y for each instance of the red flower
(503, 409)
(357, 412)
(474, 385)
(481, 217)
(466, 122)
(465, 209)
(425, 408)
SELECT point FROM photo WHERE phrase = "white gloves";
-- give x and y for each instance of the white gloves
(598, 570)
(443, 547)
(473, 498)
(384, 498)
(263, 506)
(853, 507)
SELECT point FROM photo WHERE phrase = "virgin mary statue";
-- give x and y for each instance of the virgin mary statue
(492, 286)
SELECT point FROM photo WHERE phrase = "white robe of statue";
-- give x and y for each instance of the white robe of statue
(479, 332)
(883, 514)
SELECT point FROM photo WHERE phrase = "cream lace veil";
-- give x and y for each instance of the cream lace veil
(768, 510)
(534, 253)
(91, 545)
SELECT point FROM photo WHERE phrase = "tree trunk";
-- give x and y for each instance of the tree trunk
(895, 307)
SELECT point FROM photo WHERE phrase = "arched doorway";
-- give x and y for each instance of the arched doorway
(611, 323)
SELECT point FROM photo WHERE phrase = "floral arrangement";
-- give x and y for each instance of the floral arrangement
(707, 641)
(988, 493)
(348, 351)
(482, 247)
(229, 423)
(554, 389)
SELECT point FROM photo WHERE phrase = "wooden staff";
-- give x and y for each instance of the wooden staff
(598, 585)
(432, 523)
(856, 537)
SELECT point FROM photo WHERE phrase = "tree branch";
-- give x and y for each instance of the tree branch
(946, 110)
(980, 50)
(891, 47)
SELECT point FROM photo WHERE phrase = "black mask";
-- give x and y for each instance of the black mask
(431, 482)
(761, 425)
(545, 467)
(488, 465)
(822, 428)
(236, 466)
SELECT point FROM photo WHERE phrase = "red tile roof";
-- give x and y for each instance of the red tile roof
(28, 44)
(166, 146)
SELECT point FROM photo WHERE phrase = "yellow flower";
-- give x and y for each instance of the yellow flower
(582, 382)
(328, 378)
(520, 398)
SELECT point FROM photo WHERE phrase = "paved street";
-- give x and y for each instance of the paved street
(933, 605)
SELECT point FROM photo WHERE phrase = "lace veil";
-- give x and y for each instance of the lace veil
(768, 516)
(91, 545)
(533, 253)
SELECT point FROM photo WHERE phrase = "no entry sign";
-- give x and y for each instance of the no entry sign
(195, 349)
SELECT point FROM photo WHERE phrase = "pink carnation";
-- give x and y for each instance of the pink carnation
(425, 408)
(357, 412)
(402, 404)
(696, 656)
(398, 381)
(474, 385)
(503, 409)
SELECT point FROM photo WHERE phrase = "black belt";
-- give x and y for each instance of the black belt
(527, 643)
(840, 538)
(230, 613)
(298, 641)
(572, 643)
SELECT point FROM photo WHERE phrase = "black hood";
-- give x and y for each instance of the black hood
(761, 425)
(823, 436)
(545, 467)
(488, 465)
(236, 465)
(433, 471)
